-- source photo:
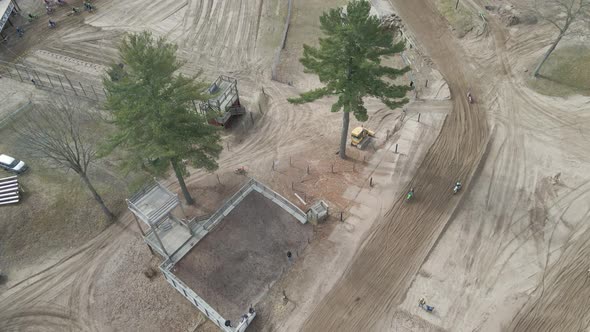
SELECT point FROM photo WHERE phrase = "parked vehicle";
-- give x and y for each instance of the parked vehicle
(12, 165)
(360, 136)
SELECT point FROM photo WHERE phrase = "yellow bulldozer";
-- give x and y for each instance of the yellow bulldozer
(360, 137)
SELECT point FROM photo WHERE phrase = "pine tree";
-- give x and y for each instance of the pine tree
(348, 63)
(153, 108)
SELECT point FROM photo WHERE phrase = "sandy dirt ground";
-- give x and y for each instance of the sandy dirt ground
(498, 258)
(509, 252)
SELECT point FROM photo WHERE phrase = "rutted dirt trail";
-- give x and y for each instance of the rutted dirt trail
(385, 265)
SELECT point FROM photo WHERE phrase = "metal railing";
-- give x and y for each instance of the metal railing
(59, 83)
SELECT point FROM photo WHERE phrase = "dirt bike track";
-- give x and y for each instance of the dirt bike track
(509, 252)
(398, 245)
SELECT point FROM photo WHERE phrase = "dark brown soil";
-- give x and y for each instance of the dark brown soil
(233, 266)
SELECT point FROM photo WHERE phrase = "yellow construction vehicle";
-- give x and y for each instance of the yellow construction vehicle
(360, 136)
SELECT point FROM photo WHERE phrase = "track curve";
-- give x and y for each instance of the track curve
(384, 266)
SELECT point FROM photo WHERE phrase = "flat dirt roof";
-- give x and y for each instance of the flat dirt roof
(231, 266)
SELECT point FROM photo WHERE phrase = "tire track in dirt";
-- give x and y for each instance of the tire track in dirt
(385, 265)
(518, 231)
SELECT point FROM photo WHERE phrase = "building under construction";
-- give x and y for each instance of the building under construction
(224, 103)
(223, 263)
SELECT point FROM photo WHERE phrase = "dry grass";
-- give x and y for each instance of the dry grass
(57, 211)
(566, 72)
(461, 19)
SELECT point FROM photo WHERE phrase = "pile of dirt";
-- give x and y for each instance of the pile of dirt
(512, 16)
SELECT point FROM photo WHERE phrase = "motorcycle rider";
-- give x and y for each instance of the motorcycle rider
(52, 24)
(410, 194)
(457, 187)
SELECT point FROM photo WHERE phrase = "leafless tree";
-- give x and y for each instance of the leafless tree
(566, 15)
(56, 133)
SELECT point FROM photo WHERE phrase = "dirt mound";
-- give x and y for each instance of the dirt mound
(511, 16)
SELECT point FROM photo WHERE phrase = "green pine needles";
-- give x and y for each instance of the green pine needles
(152, 105)
(348, 63)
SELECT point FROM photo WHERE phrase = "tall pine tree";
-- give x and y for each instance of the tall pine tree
(348, 63)
(153, 108)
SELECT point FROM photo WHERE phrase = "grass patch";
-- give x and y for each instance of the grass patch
(460, 19)
(57, 211)
(566, 72)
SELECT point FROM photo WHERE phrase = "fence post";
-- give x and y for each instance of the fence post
(19, 75)
(9, 72)
(92, 86)
(82, 88)
(273, 165)
(39, 78)
(419, 117)
(332, 167)
(395, 148)
(49, 78)
(307, 169)
(371, 182)
(70, 82)
(62, 85)
(218, 181)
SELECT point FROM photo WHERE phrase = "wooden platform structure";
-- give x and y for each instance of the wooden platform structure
(154, 205)
(225, 101)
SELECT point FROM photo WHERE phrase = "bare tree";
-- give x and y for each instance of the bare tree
(566, 15)
(55, 133)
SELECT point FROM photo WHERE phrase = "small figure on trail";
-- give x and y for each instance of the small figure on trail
(241, 171)
(75, 10)
(48, 9)
(422, 304)
(469, 97)
(410, 194)
(20, 31)
(32, 17)
(457, 187)
(52, 24)
(289, 256)
(88, 6)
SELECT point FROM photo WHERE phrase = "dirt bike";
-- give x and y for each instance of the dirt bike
(422, 304)
(457, 187)
(32, 17)
(469, 98)
(410, 195)
(241, 171)
(52, 24)
(74, 11)
(89, 7)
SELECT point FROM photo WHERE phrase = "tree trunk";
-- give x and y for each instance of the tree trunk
(344, 135)
(547, 54)
(97, 197)
(185, 193)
